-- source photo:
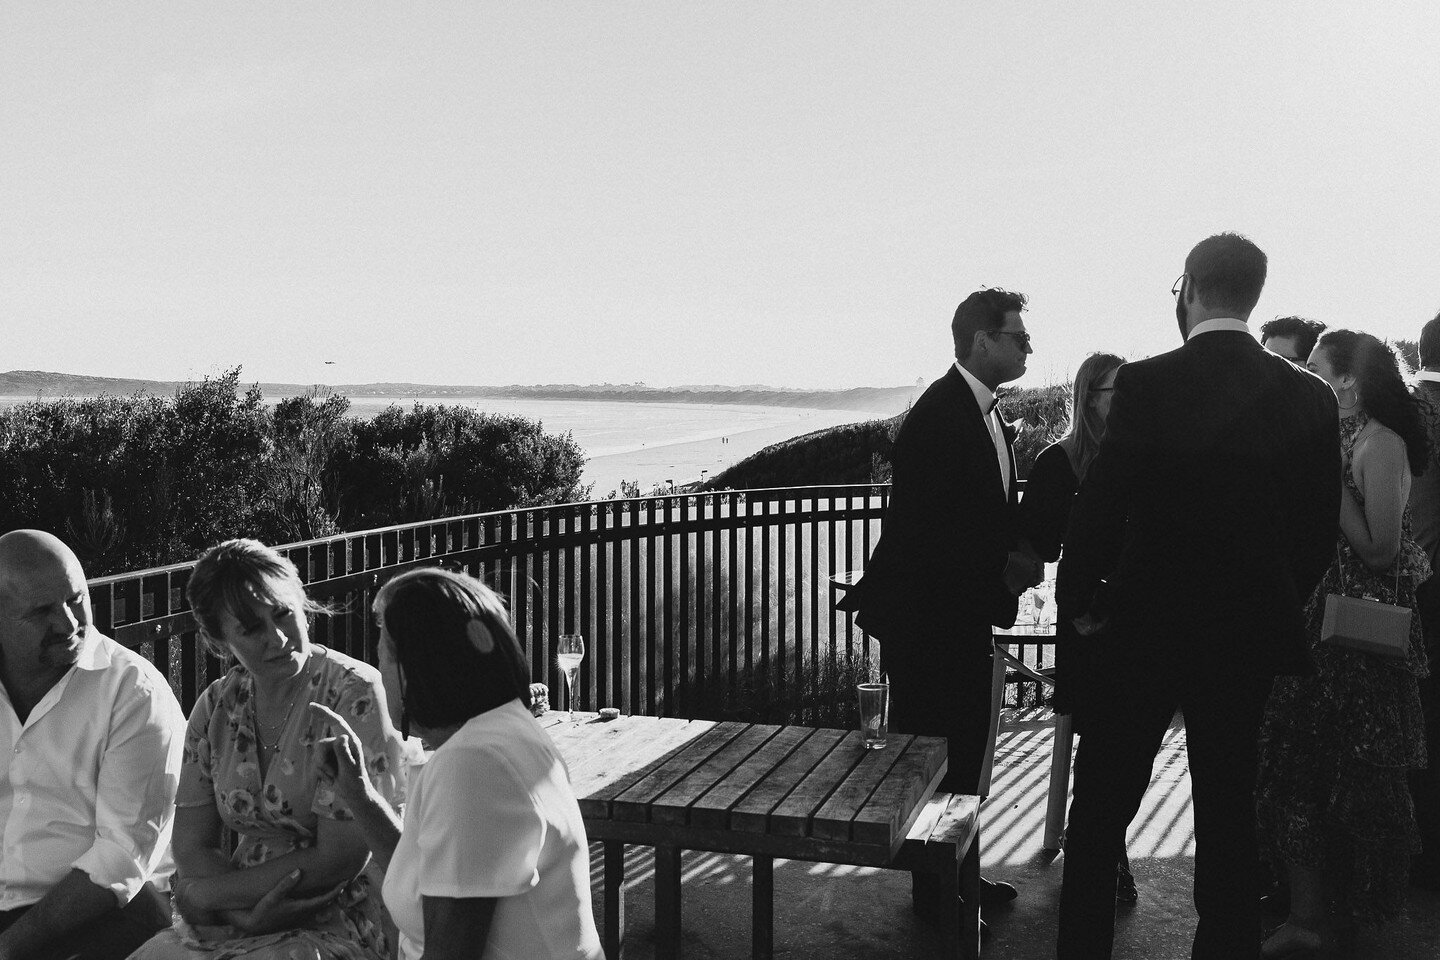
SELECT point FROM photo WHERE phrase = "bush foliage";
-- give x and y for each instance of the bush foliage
(133, 482)
(860, 452)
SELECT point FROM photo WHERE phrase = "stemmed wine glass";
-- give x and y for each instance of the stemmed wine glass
(570, 651)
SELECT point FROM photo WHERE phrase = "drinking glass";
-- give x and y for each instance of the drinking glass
(874, 713)
(570, 651)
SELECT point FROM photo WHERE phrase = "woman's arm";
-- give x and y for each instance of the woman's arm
(456, 929)
(338, 855)
(1382, 473)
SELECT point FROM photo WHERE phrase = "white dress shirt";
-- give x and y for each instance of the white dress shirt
(1215, 324)
(89, 777)
(986, 398)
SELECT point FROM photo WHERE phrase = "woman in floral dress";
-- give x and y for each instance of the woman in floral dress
(296, 886)
(1336, 747)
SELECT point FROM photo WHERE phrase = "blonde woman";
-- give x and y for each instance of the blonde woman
(295, 886)
(1044, 514)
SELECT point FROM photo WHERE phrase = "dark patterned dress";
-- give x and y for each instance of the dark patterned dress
(1336, 747)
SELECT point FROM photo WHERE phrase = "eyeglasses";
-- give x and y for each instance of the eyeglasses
(1178, 284)
(1022, 340)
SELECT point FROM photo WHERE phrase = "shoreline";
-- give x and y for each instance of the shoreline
(682, 461)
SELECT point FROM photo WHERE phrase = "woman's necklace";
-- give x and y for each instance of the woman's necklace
(278, 730)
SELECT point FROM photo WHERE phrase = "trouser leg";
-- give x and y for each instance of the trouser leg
(940, 687)
(1112, 771)
(1221, 729)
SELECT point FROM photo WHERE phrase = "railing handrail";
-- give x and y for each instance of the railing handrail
(677, 588)
(749, 492)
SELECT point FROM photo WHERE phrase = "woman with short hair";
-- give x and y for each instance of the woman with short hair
(296, 884)
(492, 860)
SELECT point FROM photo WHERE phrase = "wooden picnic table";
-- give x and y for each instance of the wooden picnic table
(764, 791)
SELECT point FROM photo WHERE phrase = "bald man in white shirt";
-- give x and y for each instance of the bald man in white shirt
(90, 736)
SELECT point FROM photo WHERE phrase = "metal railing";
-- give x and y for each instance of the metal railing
(687, 602)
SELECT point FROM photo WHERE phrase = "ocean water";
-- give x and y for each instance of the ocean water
(652, 444)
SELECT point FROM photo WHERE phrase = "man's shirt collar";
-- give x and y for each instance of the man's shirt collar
(1214, 324)
(984, 396)
(94, 655)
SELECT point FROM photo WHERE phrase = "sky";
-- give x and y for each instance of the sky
(795, 194)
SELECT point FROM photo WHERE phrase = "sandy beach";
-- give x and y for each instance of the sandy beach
(682, 462)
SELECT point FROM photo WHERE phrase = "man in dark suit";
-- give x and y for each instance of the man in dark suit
(1204, 524)
(1425, 525)
(946, 568)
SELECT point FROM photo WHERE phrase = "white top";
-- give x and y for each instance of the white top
(90, 777)
(986, 398)
(492, 814)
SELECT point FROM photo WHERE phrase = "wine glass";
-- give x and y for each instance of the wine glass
(570, 651)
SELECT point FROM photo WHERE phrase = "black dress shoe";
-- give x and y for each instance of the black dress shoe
(1125, 891)
(994, 893)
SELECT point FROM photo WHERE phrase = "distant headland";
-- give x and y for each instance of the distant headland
(38, 383)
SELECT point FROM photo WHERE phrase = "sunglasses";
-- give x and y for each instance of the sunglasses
(1022, 340)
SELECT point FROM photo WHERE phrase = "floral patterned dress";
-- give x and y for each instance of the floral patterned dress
(1336, 747)
(280, 812)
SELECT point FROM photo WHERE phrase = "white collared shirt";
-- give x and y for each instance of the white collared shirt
(986, 398)
(90, 776)
(1216, 324)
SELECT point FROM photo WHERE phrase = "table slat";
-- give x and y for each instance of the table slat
(713, 809)
(883, 819)
(639, 758)
(674, 805)
(593, 753)
(792, 816)
(634, 803)
(752, 813)
(835, 819)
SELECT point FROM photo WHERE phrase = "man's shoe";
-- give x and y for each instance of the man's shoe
(1125, 891)
(994, 893)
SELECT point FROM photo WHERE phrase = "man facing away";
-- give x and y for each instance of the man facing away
(1204, 524)
(945, 569)
(1425, 521)
(1291, 337)
(90, 739)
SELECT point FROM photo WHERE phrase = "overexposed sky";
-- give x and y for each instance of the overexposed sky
(686, 192)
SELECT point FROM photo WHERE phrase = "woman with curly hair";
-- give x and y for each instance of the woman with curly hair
(296, 886)
(1336, 747)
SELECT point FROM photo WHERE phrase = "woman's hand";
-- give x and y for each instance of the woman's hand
(277, 910)
(339, 758)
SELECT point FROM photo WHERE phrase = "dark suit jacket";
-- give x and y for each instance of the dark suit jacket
(940, 561)
(1212, 510)
(1425, 491)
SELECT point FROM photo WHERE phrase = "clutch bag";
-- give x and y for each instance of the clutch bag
(1367, 625)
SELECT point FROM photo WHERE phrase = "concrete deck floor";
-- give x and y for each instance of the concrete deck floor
(823, 910)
